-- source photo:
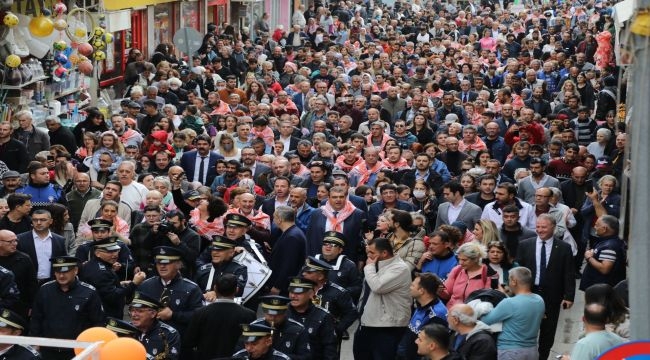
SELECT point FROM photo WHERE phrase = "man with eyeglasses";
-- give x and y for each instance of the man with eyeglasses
(40, 244)
(21, 265)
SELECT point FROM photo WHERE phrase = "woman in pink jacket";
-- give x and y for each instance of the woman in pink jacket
(468, 276)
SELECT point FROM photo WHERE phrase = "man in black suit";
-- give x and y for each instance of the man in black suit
(286, 136)
(340, 178)
(339, 215)
(287, 256)
(281, 187)
(551, 263)
(21, 265)
(538, 103)
(201, 164)
(41, 245)
(466, 94)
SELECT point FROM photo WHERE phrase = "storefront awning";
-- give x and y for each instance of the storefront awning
(121, 4)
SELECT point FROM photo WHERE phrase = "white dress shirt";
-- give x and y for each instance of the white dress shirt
(538, 257)
(197, 166)
(454, 211)
(43, 247)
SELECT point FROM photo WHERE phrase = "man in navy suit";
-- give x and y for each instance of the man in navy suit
(338, 214)
(341, 179)
(201, 164)
(288, 254)
(466, 94)
(281, 187)
(41, 244)
(249, 160)
(301, 98)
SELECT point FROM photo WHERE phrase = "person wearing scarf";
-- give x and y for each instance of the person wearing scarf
(366, 173)
(348, 159)
(394, 159)
(377, 137)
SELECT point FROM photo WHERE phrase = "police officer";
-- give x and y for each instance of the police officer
(222, 251)
(101, 229)
(318, 322)
(258, 344)
(9, 293)
(289, 336)
(65, 307)
(13, 324)
(178, 296)
(329, 295)
(122, 328)
(344, 272)
(236, 227)
(98, 272)
(159, 339)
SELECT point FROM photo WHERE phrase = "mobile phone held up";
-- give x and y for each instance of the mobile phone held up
(589, 186)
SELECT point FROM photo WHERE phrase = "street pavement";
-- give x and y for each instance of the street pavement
(568, 331)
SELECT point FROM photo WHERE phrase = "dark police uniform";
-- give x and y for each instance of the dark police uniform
(64, 315)
(9, 293)
(161, 341)
(25, 276)
(181, 295)
(84, 251)
(318, 323)
(332, 297)
(204, 273)
(122, 328)
(344, 271)
(253, 332)
(100, 274)
(290, 337)
(12, 320)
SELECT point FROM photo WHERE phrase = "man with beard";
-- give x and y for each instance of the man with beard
(216, 105)
(318, 322)
(10, 183)
(64, 308)
(98, 272)
(505, 195)
(485, 194)
(126, 135)
(179, 297)
(538, 178)
(281, 187)
(562, 168)
(392, 106)
(453, 157)
(60, 135)
(222, 252)
(249, 160)
(112, 191)
(158, 338)
(538, 103)
(162, 163)
(423, 171)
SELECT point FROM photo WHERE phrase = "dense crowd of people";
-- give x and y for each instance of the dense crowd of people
(439, 174)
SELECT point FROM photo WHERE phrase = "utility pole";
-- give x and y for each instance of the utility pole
(639, 217)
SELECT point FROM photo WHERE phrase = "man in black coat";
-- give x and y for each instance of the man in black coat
(224, 314)
(60, 135)
(21, 265)
(551, 263)
(13, 324)
(288, 251)
(471, 338)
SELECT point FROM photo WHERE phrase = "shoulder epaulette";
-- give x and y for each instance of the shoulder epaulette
(86, 285)
(280, 354)
(169, 328)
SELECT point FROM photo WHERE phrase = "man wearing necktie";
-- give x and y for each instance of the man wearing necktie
(200, 164)
(551, 263)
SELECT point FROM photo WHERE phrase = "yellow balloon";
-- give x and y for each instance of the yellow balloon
(99, 55)
(11, 20)
(60, 24)
(41, 26)
(74, 59)
(80, 32)
(108, 38)
(13, 61)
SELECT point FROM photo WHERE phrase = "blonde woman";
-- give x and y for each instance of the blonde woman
(485, 232)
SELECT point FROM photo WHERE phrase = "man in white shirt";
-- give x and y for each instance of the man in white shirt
(457, 208)
(505, 195)
(133, 193)
(41, 245)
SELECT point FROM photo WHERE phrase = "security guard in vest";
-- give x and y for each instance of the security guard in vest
(101, 229)
(222, 251)
(64, 307)
(329, 295)
(289, 336)
(178, 296)
(13, 324)
(344, 271)
(122, 328)
(258, 344)
(318, 322)
(98, 272)
(161, 341)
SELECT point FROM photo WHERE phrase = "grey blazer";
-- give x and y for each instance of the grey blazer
(469, 214)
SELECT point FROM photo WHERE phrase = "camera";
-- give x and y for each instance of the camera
(165, 227)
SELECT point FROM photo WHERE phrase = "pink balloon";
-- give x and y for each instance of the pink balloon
(86, 67)
(85, 49)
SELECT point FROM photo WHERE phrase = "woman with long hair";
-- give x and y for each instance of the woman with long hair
(87, 149)
(107, 211)
(207, 217)
(167, 125)
(61, 226)
(94, 122)
(421, 129)
(499, 260)
(485, 231)
(226, 147)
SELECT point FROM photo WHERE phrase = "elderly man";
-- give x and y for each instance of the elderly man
(35, 139)
(14, 153)
(473, 339)
(366, 172)
(126, 135)
(133, 193)
(298, 201)
(60, 135)
(288, 250)
(606, 257)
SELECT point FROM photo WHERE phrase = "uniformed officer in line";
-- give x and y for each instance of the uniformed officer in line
(160, 340)
(329, 295)
(317, 321)
(98, 272)
(344, 271)
(222, 251)
(236, 226)
(289, 336)
(101, 229)
(13, 324)
(9, 293)
(178, 296)
(122, 328)
(258, 344)
(64, 307)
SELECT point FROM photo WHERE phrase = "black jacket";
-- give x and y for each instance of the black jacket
(101, 275)
(63, 136)
(25, 276)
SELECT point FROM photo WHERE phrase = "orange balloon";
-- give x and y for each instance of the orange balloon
(95, 334)
(123, 349)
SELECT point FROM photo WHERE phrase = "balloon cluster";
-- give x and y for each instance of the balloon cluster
(100, 38)
(10, 20)
(114, 348)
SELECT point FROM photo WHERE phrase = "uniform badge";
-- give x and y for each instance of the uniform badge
(178, 301)
(155, 351)
(310, 330)
(288, 344)
(76, 307)
(339, 274)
